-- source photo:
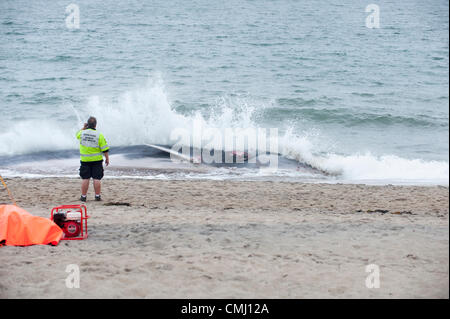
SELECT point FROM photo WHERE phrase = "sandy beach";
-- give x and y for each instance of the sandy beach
(225, 239)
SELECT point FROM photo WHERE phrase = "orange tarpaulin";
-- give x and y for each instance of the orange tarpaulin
(20, 228)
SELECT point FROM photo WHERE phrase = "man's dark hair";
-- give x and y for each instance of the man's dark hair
(92, 122)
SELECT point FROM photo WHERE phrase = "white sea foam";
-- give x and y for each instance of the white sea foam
(364, 166)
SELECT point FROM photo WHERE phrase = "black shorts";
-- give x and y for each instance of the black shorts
(90, 170)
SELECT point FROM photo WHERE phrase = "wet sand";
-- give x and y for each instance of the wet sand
(225, 239)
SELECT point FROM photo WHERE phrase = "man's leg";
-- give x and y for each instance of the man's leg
(84, 186)
(97, 175)
(97, 187)
(85, 174)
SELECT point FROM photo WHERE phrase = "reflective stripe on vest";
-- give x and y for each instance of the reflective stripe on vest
(91, 155)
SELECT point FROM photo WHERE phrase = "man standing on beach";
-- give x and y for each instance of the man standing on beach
(92, 148)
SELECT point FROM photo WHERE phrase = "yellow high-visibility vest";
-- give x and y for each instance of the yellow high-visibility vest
(92, 145)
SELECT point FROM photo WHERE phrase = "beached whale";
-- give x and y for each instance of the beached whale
(232, 158)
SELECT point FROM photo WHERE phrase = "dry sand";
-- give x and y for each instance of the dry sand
(214, 239)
